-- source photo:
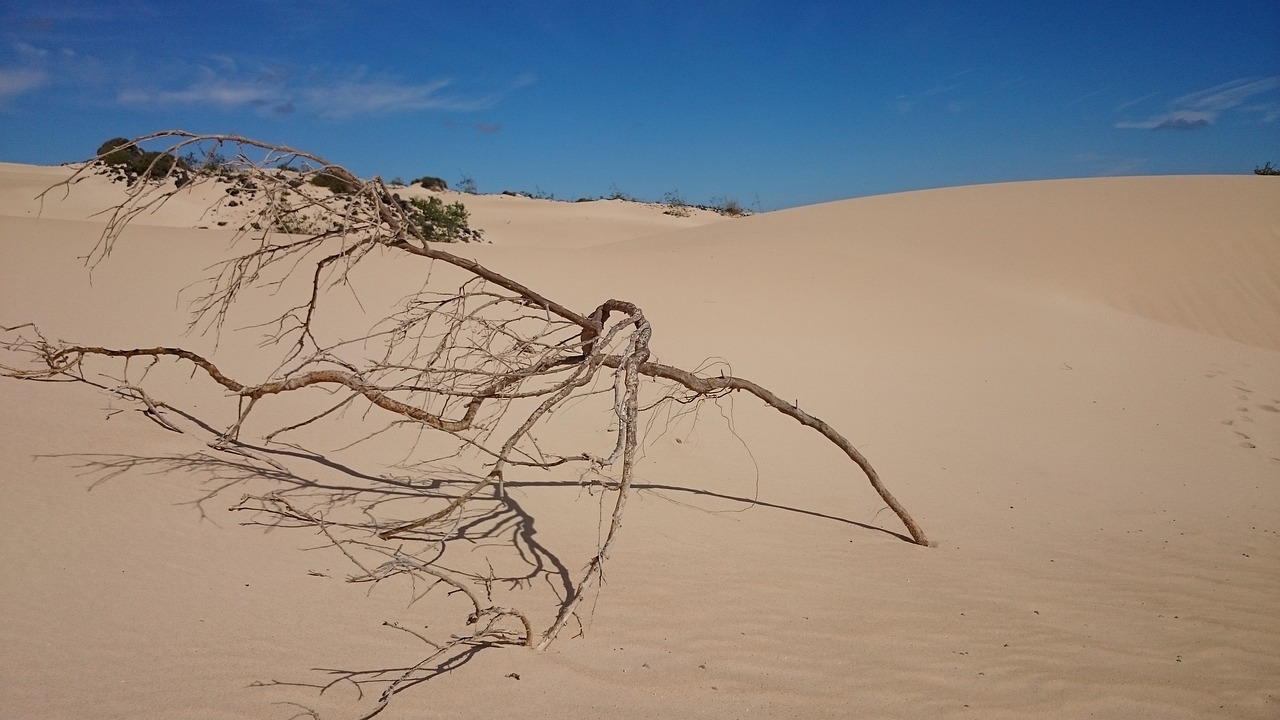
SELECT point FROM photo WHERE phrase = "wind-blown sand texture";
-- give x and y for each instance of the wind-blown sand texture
(1073, 385)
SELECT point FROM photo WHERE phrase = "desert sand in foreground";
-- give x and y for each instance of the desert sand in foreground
(1073, 385)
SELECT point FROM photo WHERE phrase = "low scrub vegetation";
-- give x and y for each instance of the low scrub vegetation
(333, 182)
(132, 162)
(676, 206)
(440, 222)
(432, 183)
(275, 194)
(727, 206)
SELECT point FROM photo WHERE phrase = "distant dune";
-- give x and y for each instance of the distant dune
(1074, 386)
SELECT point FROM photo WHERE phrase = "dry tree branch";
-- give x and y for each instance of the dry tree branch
(710, 385)
(487, 360)
(637, 353)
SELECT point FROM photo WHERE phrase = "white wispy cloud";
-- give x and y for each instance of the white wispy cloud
(272, 92)
(222, 87)
(229, 83)
(1177, 120)
(57, 71)
(947, 95)
(350, 98)
(1084, 97)
(1136, 101)
(30, 72)
(1228, 95)
(15, 81)
(1203, 107)
(219, 93)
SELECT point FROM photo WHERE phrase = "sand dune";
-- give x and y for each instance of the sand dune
(1074, 386)
(508, 220)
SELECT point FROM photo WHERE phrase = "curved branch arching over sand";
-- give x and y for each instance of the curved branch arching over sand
(485, 361)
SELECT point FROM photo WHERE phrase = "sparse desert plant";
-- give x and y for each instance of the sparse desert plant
(471, 357)
(728, 206)
(129, 159)
(439, 222)
(211, 162)
(339, 184)
(292, 218)
(467, 185)
(118, 151)
(675, 205)
(434, 183)
(1267, 169)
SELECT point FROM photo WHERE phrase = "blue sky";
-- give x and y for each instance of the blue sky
(774, 104)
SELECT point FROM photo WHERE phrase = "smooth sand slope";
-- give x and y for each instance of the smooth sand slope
(1073, 385)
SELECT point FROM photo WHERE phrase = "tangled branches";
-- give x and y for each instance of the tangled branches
(485, 361)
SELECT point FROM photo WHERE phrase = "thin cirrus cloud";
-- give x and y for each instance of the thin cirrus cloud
(1176, 120)
(220, 93)
(225, 95)
(342, 99)
(1202, 108)
(230, 84)
(360, 97)
(15, 81)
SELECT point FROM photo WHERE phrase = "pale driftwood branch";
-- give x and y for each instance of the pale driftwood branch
(637, 353)
(133, 392)
(65, 358)
(486, 362)
(709, 385)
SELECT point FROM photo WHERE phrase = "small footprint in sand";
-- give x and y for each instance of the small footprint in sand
(1243, 416)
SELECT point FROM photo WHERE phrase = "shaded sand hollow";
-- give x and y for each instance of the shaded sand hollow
(1073, 385)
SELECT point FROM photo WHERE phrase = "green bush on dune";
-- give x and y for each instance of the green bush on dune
(338, 185)
(134, 162)
(432, 183)
(440, 222)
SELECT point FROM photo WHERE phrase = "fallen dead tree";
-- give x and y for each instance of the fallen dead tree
(485, 361)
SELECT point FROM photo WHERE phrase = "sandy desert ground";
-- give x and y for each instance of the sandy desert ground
(1073, 385)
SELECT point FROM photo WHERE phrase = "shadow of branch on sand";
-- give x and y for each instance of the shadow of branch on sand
(445, 659)
(349, 506)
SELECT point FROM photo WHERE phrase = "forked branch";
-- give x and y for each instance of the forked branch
(485, 361)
